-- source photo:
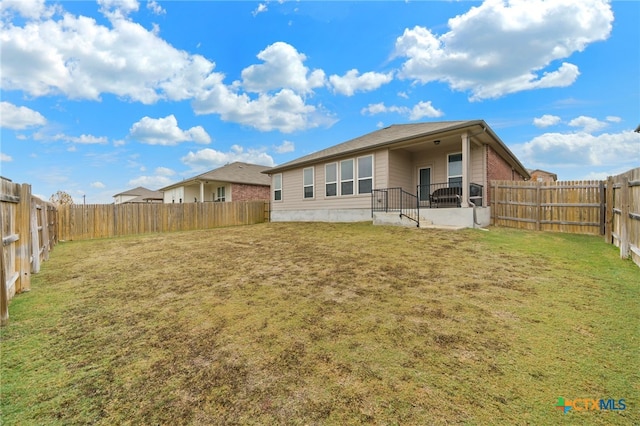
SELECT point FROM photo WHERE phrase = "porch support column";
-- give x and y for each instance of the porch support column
(201, 191)
(466, 157)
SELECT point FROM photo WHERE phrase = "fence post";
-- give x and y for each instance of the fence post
(4, 303)
(538, 206)
(603, 208)
(608, 220)
(35, 237)
(23, 283)
(45, 232)
(624, 217)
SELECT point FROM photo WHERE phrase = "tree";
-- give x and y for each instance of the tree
(61, 198)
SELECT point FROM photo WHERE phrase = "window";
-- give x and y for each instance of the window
(346, 177)
(307, 182)
(220, 193)
(454, 170)
(277, 187)
(365, 174)
(331, 179)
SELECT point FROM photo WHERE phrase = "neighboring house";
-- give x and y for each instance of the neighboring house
(138, 195)
(440, 167)
(542, 175)
(233, 182)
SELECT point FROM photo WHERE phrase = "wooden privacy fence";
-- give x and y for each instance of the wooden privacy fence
(29, 232)
(610, 208)
(81, 222)
(570, 206)
(623, 216)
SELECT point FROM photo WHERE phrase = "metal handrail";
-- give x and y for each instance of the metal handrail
(396, 200)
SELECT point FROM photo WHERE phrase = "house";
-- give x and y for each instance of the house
(138, 195)
(434, 173)
(233, 182)
(542, 175)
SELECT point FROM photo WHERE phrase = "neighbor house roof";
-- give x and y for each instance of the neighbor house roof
(399, 133)
(238, 172)
(142, 194)
(553, 175)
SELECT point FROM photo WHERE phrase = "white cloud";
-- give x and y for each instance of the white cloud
(261, 8)
(581, 149)
(285, 111)
(503, 47)
(546, 120)
(420, 110)
(118, 8)
(162, 176)
(151, 182)
(380, 108)
(286, 146)
(6, 158)
(165, 131)
(614, 119)
(97, 184)
(282, 67)
(79, 58)
(588, 124)
(155, 8)
(82, 139)
(208, 158)
(29, 9)
(164, 171)
(352, 82)
(18, 118)
(424, 109)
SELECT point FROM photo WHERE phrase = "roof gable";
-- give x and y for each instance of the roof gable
(237, 172)
(141, 192)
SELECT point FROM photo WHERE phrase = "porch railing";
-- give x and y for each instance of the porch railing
(396, 200)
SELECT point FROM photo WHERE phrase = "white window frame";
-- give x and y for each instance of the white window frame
(328, 182)
(359, 178)
(277, 187)
(449, 175)
(224, 191)
(306, 185)
(352, 180)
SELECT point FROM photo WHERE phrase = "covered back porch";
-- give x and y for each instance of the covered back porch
(435, 182)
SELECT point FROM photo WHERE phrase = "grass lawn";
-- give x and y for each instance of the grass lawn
(325, 324)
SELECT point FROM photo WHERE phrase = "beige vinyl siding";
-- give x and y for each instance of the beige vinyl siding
(293, 195)
(400, 170)
(381, 166)
(477, 174)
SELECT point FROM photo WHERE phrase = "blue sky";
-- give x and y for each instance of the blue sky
(101, 97)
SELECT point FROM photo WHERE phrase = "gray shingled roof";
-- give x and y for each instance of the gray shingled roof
(391, 135)
(142, 193)
(237, 172)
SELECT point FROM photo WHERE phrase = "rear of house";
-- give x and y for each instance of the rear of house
(430, 173)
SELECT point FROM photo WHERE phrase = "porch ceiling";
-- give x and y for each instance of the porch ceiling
(451, 142)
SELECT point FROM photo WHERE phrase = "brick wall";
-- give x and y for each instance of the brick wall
(242, 192)
(498, 169)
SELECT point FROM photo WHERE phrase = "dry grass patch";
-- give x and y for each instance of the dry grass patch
(323, 324)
